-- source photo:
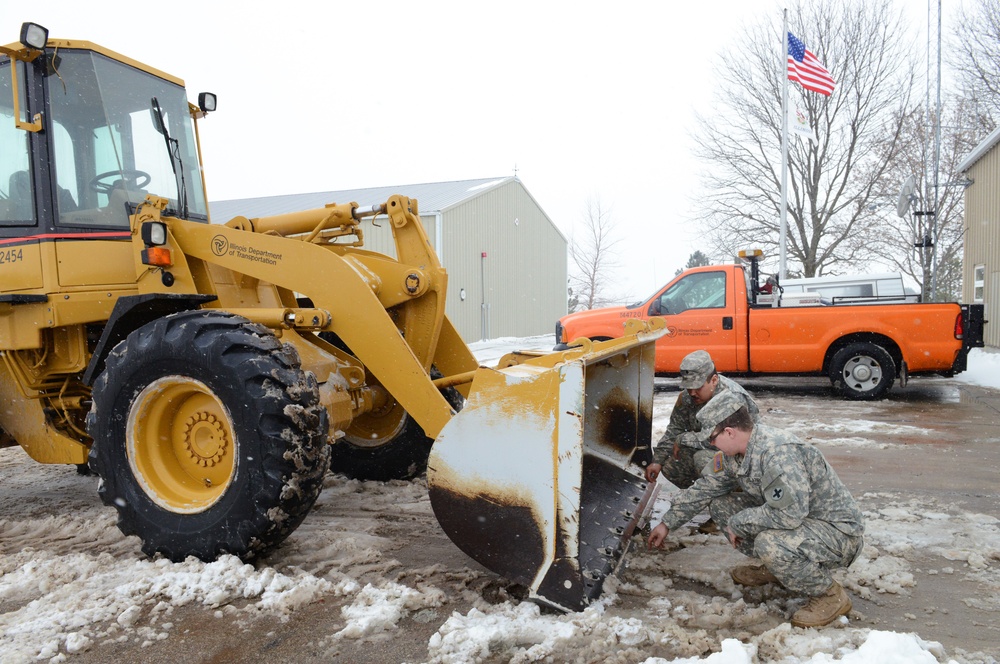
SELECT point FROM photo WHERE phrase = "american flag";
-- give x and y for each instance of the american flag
(806, 70)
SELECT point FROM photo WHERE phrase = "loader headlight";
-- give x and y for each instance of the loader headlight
(154, 234)
(34, 36)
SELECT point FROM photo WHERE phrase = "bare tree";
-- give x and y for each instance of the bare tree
(831, 182)
(974, 53)
(594, 257)
(927, 242)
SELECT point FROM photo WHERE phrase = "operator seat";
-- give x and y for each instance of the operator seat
(116, 211)
(20, 199)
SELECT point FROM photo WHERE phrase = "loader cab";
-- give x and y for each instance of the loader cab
(107, 132)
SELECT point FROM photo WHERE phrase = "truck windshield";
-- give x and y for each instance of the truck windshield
(108, 152)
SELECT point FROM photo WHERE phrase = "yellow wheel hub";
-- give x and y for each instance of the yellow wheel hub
(180, 444)
(381, 424)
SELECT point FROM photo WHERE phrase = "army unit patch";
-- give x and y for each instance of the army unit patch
(777, 494)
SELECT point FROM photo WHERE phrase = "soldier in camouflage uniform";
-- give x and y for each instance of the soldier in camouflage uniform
(793, 512)
(683, 451)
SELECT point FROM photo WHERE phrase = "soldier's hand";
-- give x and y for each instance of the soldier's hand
(677, 449)
(657, 536)
(734, 539)
(652, 470)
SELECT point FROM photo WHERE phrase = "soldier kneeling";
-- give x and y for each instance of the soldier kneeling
(793, 513)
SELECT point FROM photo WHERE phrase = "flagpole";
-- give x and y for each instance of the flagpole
(784, 151)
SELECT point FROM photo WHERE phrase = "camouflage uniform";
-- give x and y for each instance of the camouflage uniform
(794, 513)
(695, 452)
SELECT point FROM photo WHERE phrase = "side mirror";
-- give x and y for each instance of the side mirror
(156, 115)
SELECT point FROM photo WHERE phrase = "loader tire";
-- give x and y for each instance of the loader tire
(208, 437)
(862, 371)
(370, 451)
(386, 444)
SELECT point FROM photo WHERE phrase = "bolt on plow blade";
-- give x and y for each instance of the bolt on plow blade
(539, 478)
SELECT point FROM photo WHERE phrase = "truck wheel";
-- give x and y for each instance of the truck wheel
(208, 436)
(862, 371)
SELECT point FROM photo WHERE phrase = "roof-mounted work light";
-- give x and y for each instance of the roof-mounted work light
(34, 36)
(207, 102)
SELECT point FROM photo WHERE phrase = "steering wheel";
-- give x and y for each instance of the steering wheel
(132, 179)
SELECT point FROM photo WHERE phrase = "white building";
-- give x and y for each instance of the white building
(981, 249)
(506, 260)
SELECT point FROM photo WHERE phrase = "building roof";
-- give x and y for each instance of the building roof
(433, 197)
(980, 150)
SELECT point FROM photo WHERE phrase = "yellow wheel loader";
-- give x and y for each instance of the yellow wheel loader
(212, 373)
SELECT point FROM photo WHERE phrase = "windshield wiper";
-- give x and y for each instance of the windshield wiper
(174, 153)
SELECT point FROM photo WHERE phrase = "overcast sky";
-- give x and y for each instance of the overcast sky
(585, 99)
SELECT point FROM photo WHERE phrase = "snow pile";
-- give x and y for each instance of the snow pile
(377, 610)
(522, 634)
(983, 369)
(73, 600)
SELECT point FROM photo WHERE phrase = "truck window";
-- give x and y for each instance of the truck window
(847, 290)
(16, 188)
(702, 290)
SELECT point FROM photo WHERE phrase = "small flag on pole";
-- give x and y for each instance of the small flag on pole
(798, 123)
(806, 70)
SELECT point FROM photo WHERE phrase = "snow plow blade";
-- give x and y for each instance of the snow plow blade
(540, 477)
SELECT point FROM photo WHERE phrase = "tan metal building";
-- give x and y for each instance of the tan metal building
(981, 255)
(506, 260)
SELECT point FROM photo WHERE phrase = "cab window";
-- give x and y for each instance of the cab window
(17, 191)
(702, 290)
(111, 149)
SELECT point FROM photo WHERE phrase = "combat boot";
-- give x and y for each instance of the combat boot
(823, 609)
(708, 528)
(753, 575)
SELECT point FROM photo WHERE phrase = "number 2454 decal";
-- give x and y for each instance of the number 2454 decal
(11, 256)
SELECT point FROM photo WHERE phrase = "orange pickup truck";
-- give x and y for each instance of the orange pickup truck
(863, 349)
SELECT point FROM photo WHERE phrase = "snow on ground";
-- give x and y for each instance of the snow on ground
(70, 581)
(984, 368)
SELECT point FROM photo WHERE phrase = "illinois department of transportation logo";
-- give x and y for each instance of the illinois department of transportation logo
(220, 245)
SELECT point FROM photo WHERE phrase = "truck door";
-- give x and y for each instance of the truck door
(700, 315)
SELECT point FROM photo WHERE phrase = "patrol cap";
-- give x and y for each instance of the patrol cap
(696, 367)
(719, 407)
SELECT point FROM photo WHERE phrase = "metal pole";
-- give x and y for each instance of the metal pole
(782, 234)
(482, 289)
(937, 164)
